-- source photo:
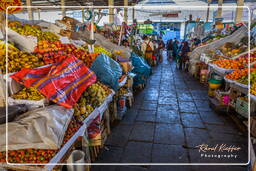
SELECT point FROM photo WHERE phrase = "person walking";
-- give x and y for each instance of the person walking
(147, 48)
(169, 49)
(161, 47)
(156, 52)
(184, 54)
(175, 49)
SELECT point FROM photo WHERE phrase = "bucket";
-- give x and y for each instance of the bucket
(214, 84)
(76, 156)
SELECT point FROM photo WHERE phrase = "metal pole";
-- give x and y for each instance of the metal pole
(30, 12)
(63, 9)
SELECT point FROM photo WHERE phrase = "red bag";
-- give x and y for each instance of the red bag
(63, 82)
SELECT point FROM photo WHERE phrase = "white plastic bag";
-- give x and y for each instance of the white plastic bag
(43, 128)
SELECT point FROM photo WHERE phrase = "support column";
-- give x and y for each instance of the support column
(126, 11)
(208, 10)
(38, 13)
(111, 11)
(239, 11)
(219, 12)
(133, 12)
(92, 29)
(30, 12)
(63, 9)
(83, 15)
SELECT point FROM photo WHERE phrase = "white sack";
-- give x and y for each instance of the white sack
(43, 128)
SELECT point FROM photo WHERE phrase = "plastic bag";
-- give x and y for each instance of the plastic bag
(107, 70)
(43, 128)
(63, 82)
(140, 65)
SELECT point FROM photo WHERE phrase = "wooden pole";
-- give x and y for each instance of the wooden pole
(63, 9)
(38, 12)
(208, 10)
(83, 15)
(239, 11)
(120, 35)
(30, 12)
(133, 12)
(92, 28)
(126, 11)
(219, 12)
(111, 11)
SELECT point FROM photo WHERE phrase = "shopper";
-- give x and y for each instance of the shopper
(156, 52)
(184, 55)
(161, 47)
(169, 49)
(147, 49)
(175, 49)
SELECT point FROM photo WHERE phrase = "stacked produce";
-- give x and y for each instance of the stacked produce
(93, 97)
(28, 94)
(55, 51)
(245, 59)
(122, 91)
(102, 50)
(229, 64)
(17, 59)
(237, 74)
(32, 30)
(39, 155)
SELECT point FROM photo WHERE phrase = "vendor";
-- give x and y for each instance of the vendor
(147, 48)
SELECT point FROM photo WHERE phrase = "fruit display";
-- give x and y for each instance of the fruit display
(245, 59)
(73, 127)
(122, 91)
(33, 30)
(55, 51)
(102, 50)
(228, 64)
(82, 109)
(244, 79)
(39, 155)
(28, 94)
(95, 94)
(253, 89)
(17, 59)
(28, 156)
(237, 74)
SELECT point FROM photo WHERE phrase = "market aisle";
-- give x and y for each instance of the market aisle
(170, 117)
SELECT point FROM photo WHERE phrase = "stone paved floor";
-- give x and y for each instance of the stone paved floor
(170, 117)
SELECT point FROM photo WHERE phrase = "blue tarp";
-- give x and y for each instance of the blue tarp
(107, 70)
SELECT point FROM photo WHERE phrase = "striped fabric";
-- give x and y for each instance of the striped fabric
(63, 82)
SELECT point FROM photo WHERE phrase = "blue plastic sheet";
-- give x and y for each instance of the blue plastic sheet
(107, 70)
(141, 69)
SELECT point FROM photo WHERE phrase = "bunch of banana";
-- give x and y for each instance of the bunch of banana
(28, 94)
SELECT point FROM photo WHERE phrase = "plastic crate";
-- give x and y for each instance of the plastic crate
(242, 107)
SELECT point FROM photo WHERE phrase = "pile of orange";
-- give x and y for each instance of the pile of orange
(229, 64)
(237, 74)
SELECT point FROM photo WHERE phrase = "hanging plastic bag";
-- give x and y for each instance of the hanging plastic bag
(107, 70)
(63, 82)
(43, 128)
